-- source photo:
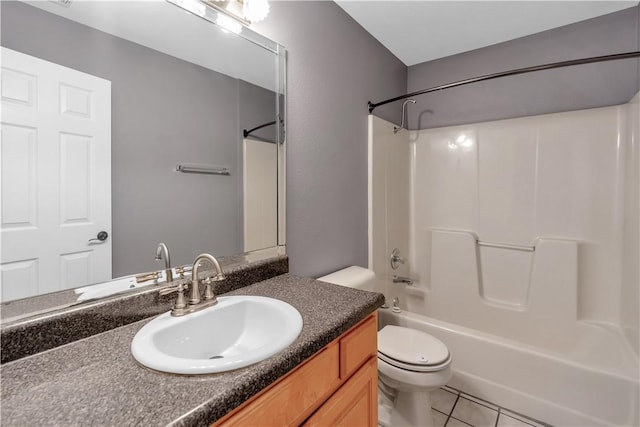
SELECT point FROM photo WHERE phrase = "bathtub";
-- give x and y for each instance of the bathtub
(542, 384)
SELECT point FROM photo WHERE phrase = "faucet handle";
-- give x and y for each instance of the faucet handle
(181, 301)
(218, 277)
(208, 288)
(183, 271)
(146, 277)
(395, 259)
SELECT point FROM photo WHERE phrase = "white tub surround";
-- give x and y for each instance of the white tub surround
(630, 291)
(524, 230)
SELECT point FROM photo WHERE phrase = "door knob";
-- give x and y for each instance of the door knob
(100, 237)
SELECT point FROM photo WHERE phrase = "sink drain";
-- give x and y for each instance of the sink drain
(216, 357)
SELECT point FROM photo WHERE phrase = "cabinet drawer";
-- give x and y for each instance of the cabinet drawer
(358, 345)
(290, 400)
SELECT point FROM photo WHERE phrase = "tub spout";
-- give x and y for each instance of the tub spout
(401, 279)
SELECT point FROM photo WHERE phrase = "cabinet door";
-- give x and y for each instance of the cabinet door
(292, 399)
(358, 345)
(355, 404)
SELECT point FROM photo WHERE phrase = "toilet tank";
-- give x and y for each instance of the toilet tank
(352, 277)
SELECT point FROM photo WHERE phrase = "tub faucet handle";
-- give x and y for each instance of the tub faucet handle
(395, 259)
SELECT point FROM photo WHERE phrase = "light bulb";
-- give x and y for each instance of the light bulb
(255, 10)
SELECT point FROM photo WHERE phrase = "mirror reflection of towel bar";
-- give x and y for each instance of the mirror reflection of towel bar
(505, 246)
(212, 170)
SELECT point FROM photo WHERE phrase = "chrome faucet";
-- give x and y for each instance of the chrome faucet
(196, 302)
(402, 279)
(163, 251)
(194, 292)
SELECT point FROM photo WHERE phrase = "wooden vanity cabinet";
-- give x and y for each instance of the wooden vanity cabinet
(354, 404)
(337, 386)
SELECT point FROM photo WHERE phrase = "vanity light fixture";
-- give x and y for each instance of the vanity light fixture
(228, 23)
(255, 10)
(246, 11)
(192, 6)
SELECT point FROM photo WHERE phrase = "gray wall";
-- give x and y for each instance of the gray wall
(334, 67)
(164, 111)
(572, 88)
(256, 107)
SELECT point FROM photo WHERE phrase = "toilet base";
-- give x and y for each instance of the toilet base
(405, 409)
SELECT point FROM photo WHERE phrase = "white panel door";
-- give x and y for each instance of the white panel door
(55, 177)
(260, 192)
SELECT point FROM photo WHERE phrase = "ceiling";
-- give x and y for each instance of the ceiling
(419, 31)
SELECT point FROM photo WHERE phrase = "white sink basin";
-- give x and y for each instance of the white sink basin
(236, 332)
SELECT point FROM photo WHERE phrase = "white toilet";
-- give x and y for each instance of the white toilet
(411, 363)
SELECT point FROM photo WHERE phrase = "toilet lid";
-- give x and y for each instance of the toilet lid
(412, 347)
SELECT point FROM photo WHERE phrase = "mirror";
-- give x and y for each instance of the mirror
(122, 127)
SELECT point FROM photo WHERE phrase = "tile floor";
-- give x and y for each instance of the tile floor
(454, 408)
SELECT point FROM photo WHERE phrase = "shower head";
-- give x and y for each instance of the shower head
(404, 105)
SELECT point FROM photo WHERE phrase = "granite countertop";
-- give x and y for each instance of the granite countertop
(36, 334)
(96, 381)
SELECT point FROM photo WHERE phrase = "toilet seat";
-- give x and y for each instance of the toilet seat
(412, 350)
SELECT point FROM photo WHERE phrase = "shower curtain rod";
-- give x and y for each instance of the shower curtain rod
(246, 133)
(627, 55)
